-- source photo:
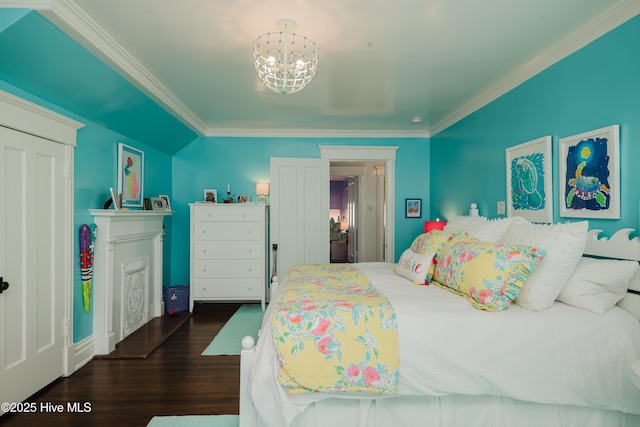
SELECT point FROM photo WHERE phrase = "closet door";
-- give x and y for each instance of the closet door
(32, 263)
(299, 219)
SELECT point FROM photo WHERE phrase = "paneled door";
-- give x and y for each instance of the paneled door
(33, 176)
(299, 211)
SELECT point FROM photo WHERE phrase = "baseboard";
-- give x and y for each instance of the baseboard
(81, 353)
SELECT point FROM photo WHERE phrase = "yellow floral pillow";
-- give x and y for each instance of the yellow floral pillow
(489, 275)
(431, 242)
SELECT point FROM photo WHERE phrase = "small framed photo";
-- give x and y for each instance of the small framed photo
(243, 199)
(114, 199)
(413, 208)
(211, 196)
(157, 204)
(167, 203)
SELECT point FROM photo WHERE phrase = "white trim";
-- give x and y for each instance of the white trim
(68, 369)
(25, 116)
(74, 21)
(369, 153)
(362, 152)
(26, 4)
(80, 354)
(317, 133)
(597, 27)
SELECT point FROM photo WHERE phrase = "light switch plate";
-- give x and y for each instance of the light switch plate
(501, 208)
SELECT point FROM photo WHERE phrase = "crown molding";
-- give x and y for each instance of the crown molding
(316, 133)
(26, 4)
(597, 27)
(73, 20)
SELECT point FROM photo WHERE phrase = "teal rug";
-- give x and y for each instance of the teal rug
(196, 421)
(246, 321)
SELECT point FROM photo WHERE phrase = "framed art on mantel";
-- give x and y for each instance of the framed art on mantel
(590, 174)
(130, 175)
(529, 180)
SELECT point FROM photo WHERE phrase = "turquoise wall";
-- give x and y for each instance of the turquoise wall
(214, 162)
(95, 171)
(595, 87)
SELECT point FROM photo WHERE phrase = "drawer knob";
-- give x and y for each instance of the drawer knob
(250, 251)
(250, 269)
(204, 269)
(204, 251)
(204, 231)
(210, 214)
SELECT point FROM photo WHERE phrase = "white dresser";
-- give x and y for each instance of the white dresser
(228, 252)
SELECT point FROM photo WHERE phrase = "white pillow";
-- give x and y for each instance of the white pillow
(414, 266)
(564, 244)
(598, 284)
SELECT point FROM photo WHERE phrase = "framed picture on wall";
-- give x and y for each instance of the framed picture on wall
(130, 175)
(529, 180)
(413, 208)
(590, 174)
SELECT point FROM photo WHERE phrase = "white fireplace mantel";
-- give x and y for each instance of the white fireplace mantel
(127, 281)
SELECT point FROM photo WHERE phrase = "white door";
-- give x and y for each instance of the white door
(299, 214)
(32, 252)
(352, 215)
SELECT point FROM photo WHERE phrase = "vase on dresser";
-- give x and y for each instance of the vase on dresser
(228, 252)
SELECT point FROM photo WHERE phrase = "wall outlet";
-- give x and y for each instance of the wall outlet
(501, 208)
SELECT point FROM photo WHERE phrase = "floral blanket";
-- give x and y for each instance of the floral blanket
(334, 332)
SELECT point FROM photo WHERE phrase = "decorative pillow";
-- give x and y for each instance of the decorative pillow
(598, 284)
(415, 267)
(481, 228)
(489, 275)
(564, 244)
(431, 242)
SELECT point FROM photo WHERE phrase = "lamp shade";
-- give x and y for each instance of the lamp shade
(434, 225)
(262, 189)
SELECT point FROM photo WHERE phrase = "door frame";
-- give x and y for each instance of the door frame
(24, 116)
(369, 153)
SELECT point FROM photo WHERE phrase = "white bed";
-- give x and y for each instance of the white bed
(563, 366)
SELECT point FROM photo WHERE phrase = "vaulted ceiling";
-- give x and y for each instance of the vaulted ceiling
(164, 72)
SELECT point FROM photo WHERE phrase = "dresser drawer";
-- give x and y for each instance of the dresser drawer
(233, 269)
(226, 213)
(227, 230)
(222, 289)
(221, 249)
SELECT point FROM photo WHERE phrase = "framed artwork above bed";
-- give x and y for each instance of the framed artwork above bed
(529, 180)
(590, 174)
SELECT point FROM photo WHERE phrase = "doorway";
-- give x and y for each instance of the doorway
(357, 211)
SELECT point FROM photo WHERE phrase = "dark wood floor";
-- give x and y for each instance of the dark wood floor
(173, 380)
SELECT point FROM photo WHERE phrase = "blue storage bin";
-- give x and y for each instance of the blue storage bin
(176, 298)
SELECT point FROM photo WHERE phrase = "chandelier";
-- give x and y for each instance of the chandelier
(285, 61)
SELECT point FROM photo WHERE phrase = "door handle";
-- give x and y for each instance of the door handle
(3, 285)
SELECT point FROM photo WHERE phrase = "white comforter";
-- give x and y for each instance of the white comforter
(562, 355)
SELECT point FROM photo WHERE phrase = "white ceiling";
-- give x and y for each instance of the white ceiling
(381, 62)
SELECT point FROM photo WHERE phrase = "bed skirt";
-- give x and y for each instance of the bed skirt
(456, 411)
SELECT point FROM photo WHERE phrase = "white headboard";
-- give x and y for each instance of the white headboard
(619, 246)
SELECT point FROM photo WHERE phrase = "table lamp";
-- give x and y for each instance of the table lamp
(434, 225)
